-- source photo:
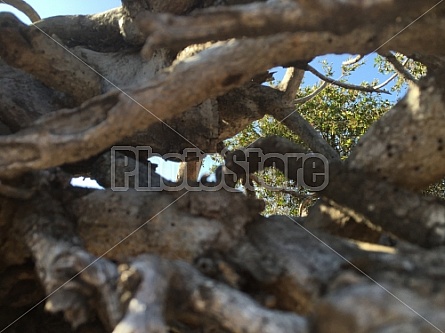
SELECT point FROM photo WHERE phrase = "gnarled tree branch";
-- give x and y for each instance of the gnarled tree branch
(99, 32)
(291, 83)
(200, 299)
(107, 119)
(40, 55)
(265, 19)
(25, 8)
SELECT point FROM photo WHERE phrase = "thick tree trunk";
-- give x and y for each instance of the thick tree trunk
(142, 255)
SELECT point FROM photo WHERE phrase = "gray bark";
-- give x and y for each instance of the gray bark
(204, 259)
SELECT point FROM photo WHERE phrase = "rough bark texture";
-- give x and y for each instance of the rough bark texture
(34, 52)
(396, 136)
(149, 255)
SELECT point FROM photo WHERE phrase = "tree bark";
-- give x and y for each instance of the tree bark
(144, 254)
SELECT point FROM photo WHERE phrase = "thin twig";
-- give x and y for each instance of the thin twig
(400, 67)
(381, 85)
(307, 98)
(352, 61)
(342, 84)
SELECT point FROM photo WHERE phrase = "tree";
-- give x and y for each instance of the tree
(175, 75)
(341, 115)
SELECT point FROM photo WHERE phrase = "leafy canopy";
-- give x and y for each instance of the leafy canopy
(341, 115)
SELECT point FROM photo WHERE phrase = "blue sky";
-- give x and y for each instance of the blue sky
(47, 8)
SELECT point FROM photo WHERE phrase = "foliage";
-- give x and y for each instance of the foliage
(342, 116)
(415, 68)
(437, 190)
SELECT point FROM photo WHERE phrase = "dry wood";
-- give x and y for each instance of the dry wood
(144, 260)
